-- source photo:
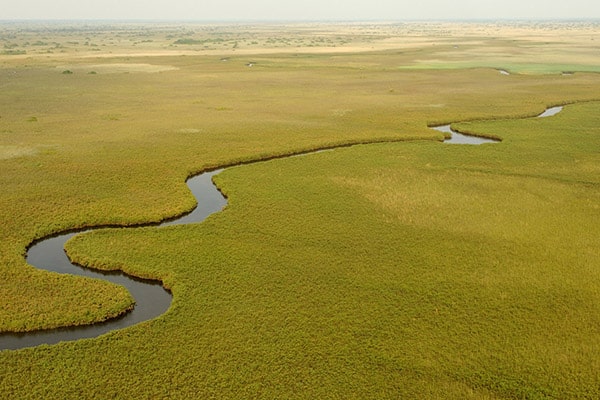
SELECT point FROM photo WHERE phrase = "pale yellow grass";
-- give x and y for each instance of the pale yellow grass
(115, 68)
(8, 151)
(544, 42)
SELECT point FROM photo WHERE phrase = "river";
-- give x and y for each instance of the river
(151, 299)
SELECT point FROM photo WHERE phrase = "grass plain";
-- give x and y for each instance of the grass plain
(411, 269)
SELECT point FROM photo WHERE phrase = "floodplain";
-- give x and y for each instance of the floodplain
(399, 267)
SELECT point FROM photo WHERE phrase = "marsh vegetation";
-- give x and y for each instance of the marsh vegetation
(398, 268)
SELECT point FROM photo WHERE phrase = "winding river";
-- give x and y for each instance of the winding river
(151, 298)
(459, 138)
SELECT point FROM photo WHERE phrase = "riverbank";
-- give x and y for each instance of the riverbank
(391, 270)
(150, 301)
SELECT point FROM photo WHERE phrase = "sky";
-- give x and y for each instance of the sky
(299, 10)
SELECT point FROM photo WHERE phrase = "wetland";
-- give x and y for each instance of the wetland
(394, 266)
(150, 301)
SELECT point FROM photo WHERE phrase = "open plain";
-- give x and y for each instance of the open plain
(400, 267)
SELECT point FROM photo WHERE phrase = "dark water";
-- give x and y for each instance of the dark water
(459, 138)
(151, 298)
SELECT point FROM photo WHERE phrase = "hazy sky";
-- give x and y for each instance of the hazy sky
(299, 10)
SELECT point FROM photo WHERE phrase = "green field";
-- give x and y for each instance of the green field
(401, 267)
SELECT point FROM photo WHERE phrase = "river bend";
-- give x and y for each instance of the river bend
(151, 299)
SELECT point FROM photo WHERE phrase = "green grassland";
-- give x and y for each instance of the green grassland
(400, 268)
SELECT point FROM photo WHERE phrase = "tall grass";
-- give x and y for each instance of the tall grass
(413, 269)
(387, 270)
(178, 122)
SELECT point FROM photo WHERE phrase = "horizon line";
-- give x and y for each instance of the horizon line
(284, 20)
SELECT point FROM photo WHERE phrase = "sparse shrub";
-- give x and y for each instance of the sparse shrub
(188, 41)
(13, 52)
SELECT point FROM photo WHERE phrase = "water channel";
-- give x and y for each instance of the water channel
(459, 138)
(151, 298)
